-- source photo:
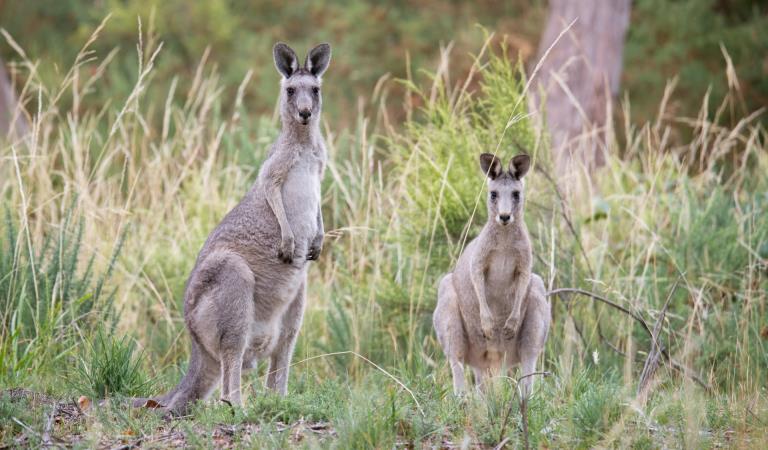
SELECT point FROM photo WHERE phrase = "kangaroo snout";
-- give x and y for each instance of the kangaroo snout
(505, 219)
(305, 114)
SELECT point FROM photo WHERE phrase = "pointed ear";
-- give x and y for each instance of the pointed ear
(519, 166)
(286, 60)
(490, 165)
(318, 59)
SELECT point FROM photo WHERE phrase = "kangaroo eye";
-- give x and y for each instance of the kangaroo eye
(315, 90)
(290, 91)
(494, 194)
(516, 195)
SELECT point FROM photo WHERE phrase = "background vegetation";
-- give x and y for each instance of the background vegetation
(667, 39)
(136, 153)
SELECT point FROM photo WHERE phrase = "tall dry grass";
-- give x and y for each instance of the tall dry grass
(680, 211)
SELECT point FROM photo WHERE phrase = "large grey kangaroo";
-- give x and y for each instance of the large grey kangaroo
(244, 299)
(491, 310)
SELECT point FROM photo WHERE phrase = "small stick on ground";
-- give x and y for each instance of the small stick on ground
(501, 444)
(46, 438)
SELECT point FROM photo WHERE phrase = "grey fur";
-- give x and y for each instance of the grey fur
(245, 297)
(492, 312)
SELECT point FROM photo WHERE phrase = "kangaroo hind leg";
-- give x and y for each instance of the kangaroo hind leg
(279, 362)
(533, 334)
(219, 316)
(450, 331)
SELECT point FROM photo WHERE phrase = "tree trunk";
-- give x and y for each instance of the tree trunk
(13, 123)
(579, 78)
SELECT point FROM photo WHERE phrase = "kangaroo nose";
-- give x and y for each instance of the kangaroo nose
(504, 217)
(305, 114)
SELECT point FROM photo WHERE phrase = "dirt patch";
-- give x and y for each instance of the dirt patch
(64, 424)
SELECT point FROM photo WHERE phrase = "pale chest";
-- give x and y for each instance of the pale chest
(502, 269)
(301, 194)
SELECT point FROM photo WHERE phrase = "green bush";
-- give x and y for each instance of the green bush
(669, 38)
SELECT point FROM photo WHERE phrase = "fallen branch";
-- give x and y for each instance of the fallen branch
(674, 364)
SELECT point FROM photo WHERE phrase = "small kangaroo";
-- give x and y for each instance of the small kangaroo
(491, 309)
(244, 299)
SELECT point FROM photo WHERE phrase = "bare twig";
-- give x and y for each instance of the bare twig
(379, 368)
(652, 361)
(523, 410)
(524, 416)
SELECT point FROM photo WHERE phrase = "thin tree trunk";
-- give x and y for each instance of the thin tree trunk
(12, 120)
(579, 78)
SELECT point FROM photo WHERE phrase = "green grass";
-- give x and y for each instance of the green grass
(109, 366)
(106, 214)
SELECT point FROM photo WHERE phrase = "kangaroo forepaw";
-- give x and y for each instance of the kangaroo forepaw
(314, 253)
(486, 324)
(511, 327)
(285, 252)
(285, 257)
(487, 331)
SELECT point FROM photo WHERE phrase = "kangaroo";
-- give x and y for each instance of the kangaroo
(244, 300)
(491, 310)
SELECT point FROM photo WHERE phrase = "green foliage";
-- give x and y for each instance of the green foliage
(109, 366)
(369, 40)
(46, 297)
(358, 428)
(10, 409)
(438, 155)
(683, 38)
(311, 400)
(595, 408)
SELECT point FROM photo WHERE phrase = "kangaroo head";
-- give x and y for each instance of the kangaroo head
(300, 100)
(505, 187)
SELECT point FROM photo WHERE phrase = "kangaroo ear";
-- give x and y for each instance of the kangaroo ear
(490, 165)
(318, 59)
(519, 166)
(286, 60)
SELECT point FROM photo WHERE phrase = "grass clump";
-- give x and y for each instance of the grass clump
(110, 366)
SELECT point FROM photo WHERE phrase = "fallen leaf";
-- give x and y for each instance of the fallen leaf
(152, 404)
(84, 403)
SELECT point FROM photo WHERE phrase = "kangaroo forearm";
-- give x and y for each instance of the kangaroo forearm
(320, 227)
(275, 201)
(521, 289)
(480, 293)
(477, 277)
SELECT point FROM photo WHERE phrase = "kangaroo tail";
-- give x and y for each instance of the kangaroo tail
(177, 399)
